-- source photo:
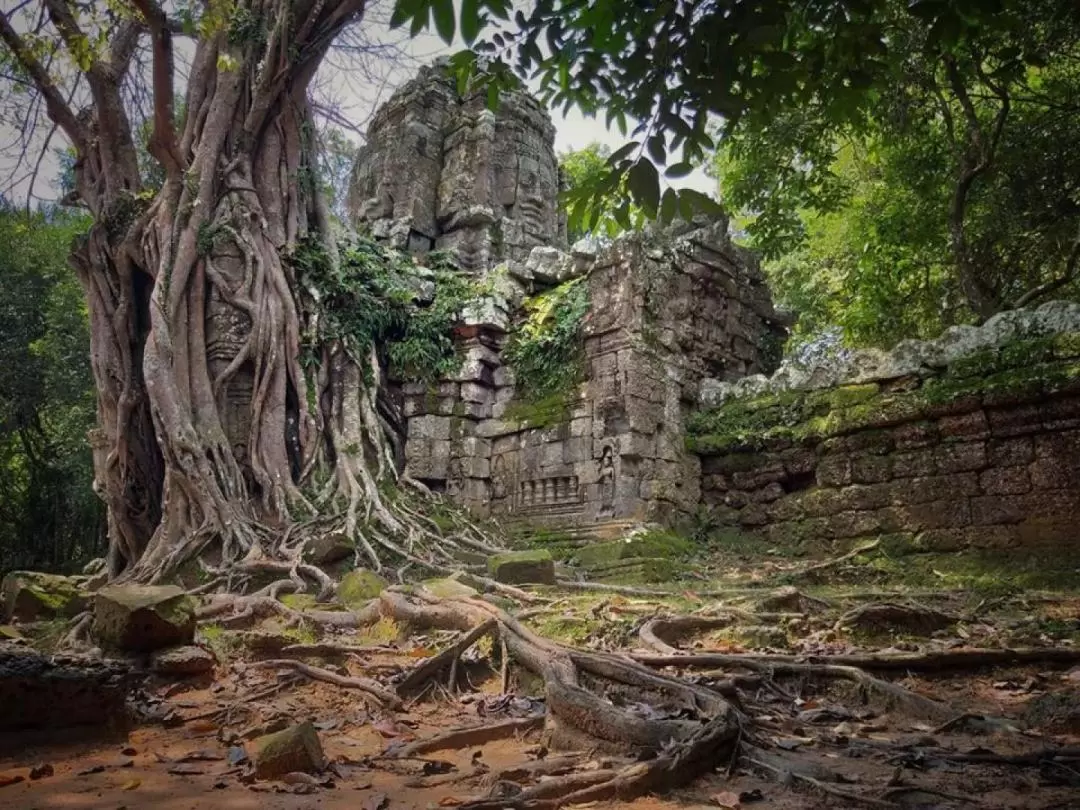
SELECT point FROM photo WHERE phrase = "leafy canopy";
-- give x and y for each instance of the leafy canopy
(677, 66)
(956, 195)
(49, 515)
(581, 168)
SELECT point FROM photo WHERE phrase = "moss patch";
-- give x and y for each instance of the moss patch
(359, 587)
(1029, 368)
(650, 544)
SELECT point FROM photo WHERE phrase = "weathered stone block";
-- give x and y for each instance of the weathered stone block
(965, 426)
(914, 463)
(1005, 422)
(951, 513)
(473, 467)
(475, 392)
(577, 449)
(961, 457)
(182, 662)
(1005, 481)
(429, 427)
(522, 567)
(295, 749)
(143, 618)
(834, 471)
(1010, 452)
(871, 469)
(28, 596)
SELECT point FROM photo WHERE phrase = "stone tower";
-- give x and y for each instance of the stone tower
(668, 309)
(442, 171)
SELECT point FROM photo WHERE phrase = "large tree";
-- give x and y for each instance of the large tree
(213, 437)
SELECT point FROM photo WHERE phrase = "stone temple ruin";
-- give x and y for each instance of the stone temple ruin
(667, 311)
(968, 441)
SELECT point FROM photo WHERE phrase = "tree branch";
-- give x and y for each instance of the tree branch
(58, 109)
(163, 144)
(1072, 263)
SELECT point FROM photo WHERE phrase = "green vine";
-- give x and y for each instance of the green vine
(380, 296)
(545, 350)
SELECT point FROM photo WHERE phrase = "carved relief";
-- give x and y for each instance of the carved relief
(607, 482)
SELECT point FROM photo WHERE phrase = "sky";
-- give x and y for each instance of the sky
(358, 93)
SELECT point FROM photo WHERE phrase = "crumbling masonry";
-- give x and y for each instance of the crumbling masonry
(967, 441)
(444, 172)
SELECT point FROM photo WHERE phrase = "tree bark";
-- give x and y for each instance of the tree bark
(211, 437)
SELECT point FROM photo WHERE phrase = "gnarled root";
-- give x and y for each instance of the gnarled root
(591, 700)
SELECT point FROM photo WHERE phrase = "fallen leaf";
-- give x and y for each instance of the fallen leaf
(420, 652)
(450, 801)
(376, 801)
(131, 784)
(128, 751)
(91, 770)
(727, 799)
(388, 728)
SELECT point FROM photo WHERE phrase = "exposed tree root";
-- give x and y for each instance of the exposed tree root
(371, 689)
(447, 659)
(934, 661)
(473, 735)
(594, 700)
(813, 570)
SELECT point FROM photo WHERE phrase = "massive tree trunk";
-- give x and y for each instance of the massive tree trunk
(211, 435)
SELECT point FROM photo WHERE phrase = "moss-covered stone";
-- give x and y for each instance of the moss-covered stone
(294, 749)
(449, 588)
(302, 601)
(30, 596)
(143, 618)
(522, 567)
(328, 549)
(1024, 369)
(359, 587)
(652, 544)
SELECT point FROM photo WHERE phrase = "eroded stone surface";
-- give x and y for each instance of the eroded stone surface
(143, 618)
(31, 595)
(296, 748)
(43, 692)
(182, 661)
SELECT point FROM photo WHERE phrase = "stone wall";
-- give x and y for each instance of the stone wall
(972, 441)
(666, 311)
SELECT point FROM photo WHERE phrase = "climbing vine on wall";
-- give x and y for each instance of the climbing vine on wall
(545, 350)
(376, 295)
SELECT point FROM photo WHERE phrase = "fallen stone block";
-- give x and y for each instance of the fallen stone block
(523, 567)
(55, 692)
(296, 748)
(143, 618)
(181, 661)
(31, 596)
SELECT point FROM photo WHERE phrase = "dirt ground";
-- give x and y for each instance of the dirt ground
(863, 751)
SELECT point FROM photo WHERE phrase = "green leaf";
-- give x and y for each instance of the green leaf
(668, 205)
(420, 21)
(622, 152)
(470, 21)
(677, 170)
(644, 183)
(657, 148)
(444, 19)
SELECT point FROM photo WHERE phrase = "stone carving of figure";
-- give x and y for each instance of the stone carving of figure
(498, 479)
(607, 482)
